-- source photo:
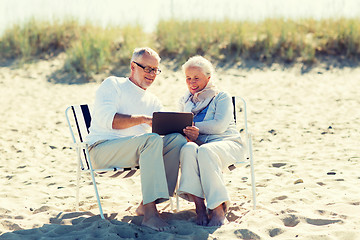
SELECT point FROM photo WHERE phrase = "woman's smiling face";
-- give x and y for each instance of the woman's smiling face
(196, 80)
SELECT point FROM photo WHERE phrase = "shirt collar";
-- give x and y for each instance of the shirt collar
(135, 87)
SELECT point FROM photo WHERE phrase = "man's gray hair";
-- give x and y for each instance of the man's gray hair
(139, 52)
(201, 62)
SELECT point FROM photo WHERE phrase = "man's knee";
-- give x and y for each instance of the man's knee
(174, 139)
(153, 140)
(153, 136)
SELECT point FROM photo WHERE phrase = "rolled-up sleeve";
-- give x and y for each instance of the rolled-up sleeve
(222, 117)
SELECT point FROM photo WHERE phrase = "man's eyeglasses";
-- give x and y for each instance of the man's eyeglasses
(148, 69)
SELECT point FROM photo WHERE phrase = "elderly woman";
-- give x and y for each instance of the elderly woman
(213, 143)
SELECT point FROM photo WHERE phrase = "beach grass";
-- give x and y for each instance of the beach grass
(91, 49)
(272, 40)
(91, 52)
(36, 38)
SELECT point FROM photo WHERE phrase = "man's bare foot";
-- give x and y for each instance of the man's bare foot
(217, 217)
(152, 218)
(201, 215)
(156, 223)
(140, 210)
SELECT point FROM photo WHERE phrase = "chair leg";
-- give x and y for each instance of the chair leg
(97, 194)
(177, 203)
(77, 185)
(252, 171)
(176, 199)
(171, 205)
(94, 183)
(176, 193)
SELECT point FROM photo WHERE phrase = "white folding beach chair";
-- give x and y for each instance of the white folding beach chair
(248, 143)
(78, 118)
(248, 151)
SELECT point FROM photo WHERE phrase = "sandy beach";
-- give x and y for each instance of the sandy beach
(306, 141)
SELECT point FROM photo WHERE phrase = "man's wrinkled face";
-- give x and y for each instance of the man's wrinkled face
(140, 67)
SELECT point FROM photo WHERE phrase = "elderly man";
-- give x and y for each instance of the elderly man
(119, 134)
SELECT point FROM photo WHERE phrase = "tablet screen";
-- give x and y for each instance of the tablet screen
(171, 122)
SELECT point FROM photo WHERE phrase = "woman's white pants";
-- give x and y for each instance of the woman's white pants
(202, 170)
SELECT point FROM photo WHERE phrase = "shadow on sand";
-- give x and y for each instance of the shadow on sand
(86, 225)
(61, 76)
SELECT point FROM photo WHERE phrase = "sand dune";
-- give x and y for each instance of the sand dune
(306, 148)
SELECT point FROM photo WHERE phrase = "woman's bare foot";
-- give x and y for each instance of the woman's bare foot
(202, 218)
(217, 217)
(140, 209)
(201, 215)
(152, 218)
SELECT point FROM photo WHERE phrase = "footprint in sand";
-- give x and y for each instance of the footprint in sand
(10, 225)
(246, 234)
(324, 212)
(276, 199)
(278, 165)
(321, 222)
(41, 209)
(291, 220)
(275, 232)
(232, 217)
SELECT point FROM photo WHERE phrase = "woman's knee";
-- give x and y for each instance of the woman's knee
(189, 148)
(206, 155)
(204, 150)
(188, 151)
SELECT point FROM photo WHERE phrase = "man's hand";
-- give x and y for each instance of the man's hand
(147, 120)
(191, 133)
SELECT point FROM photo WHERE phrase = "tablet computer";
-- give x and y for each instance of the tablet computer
(171, 122)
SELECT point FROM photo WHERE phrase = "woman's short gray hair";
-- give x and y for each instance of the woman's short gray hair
(201, 62)
(139, 52)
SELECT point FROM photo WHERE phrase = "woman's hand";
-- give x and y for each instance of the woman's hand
(191, 133)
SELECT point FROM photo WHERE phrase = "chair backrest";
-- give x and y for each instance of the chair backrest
(233, 98)
(81, 120)
(239, 106)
